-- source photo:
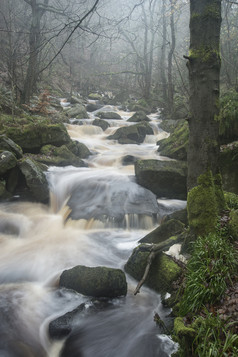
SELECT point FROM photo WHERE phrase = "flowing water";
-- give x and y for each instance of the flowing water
(107, 213)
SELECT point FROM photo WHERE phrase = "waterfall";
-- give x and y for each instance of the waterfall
(96, 217)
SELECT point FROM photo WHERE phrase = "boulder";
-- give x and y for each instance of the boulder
(9, 145)
(129, 160)
(3, 192)
(62, 326)
(7, 161)
(163, 270)
(79, 149)
(58, 156)
(31, 137)
(91, 107)
(176, 145)
(138, 117)
(35, 179)
(133, 134)
(78, 112)
(108, 115)
(96, 282)
(164, 231)
(180, 215)
(163, 178)
(102, 123)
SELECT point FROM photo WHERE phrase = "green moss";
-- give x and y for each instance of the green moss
(176, 145)
(181, 330)
(202, 205)
(204, 54)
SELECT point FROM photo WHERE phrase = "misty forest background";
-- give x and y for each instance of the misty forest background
(130, 48)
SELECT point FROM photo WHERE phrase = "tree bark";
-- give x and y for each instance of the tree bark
(204, 70)
(170, 59)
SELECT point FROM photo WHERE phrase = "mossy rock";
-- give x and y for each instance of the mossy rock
(7, 161)
(176, 145)
(31, 137)
(139, 106)
(9, 145)
(4, 194)
(78, 112)
(35, 179)
(109, 115)
(163, 178)
(139, 117)
(58, 156)
(133, 134)
(181, 215)
(79, 149)
(163, 270)
(101, 123)
(181, 330)
(96, 281)
(163, 232)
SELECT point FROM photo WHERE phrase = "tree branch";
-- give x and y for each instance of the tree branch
(154, 249)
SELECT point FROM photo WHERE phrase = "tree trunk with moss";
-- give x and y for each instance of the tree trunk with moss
(203, 152)
(204, 71)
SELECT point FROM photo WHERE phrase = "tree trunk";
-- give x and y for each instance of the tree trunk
(204, 70)
(170, 59)
(162, 58)
(34, 49)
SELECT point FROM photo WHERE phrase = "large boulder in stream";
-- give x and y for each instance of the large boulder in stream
(163, 270)
(31, 137)
(101, 123)
(163, 178)
(78, 112)
(133, 134)
(164, 231)
(96, 281)
(35, 179)
(109, 115)
(58, 156)
(139, 117)
(176, 145)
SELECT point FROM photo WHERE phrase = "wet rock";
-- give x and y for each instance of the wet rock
(176, 145)
(62, 326)
(163, 232)
(78, 112)
(129, 160)
(180, 215)
(97, 282)
(138, 117)
(101, 123)
(35, 179)
(163, 178)
(108, 115)
(31, 137)
(9, 145)
(79, 149)
(58, 156)
(133, 134)
(3, 192)
(91, 107)
(7, 161)
(163, 271)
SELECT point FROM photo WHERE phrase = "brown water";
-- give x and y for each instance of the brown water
(109, 214)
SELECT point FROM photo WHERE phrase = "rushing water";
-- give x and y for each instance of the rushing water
(108, 214)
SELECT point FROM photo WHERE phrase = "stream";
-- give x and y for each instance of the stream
(110, 214)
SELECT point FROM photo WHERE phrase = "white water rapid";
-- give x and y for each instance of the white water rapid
(110, 213)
